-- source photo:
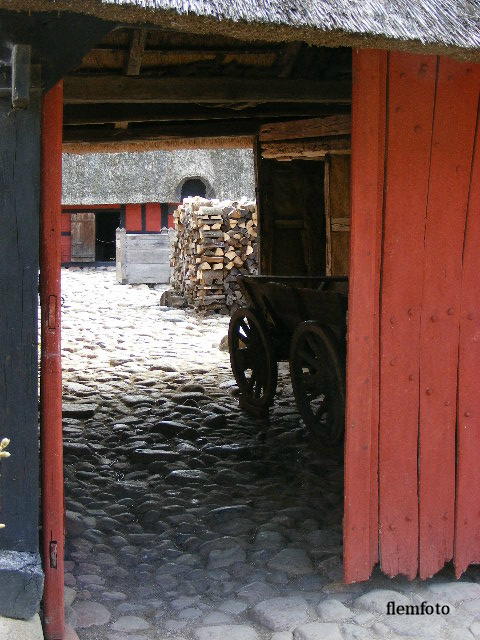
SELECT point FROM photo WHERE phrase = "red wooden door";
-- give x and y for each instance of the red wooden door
(467, 517)
(361, 445)
(413, 317)
(450, 174)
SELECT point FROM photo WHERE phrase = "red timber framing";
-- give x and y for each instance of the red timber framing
(51, 367)
(414, 317)
(147, 217)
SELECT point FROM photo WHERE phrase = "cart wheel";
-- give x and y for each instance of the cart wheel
(318, 382)
(252, 359)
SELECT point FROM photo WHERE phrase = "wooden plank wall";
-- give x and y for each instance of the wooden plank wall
(414, 256)
(453, 137)
(337, 213)
(467, 517)
(411, 82)
(361, 445)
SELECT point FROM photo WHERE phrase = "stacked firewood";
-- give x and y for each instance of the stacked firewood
(215, 242)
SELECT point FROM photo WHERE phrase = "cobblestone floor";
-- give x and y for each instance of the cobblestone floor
(188, 520)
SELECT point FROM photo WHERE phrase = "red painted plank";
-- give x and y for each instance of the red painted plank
(452, 146)
(361, 445)
(154, 216)
(66, 222)
(133, 217)
(66, 248)
(467, 517)
(51, 367)
(410, 116)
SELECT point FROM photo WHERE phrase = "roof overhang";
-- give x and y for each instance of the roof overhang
(360, 29)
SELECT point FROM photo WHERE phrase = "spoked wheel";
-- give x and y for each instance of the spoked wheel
(318, 382)
(252, 359)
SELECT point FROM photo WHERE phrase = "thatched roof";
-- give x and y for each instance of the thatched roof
(155, 176)
(448, 26)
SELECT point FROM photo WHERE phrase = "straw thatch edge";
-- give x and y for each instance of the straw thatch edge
(236, 142)
(206, 25)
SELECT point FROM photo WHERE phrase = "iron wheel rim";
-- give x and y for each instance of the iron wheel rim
(251, 357)
(317, 377)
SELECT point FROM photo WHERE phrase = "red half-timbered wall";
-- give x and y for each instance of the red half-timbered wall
(412, 496)
(149, 217)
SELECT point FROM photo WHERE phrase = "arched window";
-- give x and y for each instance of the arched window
(193, 187)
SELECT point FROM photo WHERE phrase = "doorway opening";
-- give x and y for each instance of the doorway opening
(195, 511)
(193, 187)
(106, 226)
(90, 234)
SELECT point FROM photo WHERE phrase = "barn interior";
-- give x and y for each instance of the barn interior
(183, 511)
(149, 88)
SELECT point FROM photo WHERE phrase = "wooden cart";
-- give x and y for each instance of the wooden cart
(301, 320)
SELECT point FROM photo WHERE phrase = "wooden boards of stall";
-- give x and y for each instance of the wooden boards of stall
(304, 206)
(413, 317)
(311, 138)
(337, 214)
(291, 220)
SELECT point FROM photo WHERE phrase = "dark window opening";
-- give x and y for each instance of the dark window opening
(106, 226)
(193, 187)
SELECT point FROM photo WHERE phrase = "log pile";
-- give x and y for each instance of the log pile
(215, 242)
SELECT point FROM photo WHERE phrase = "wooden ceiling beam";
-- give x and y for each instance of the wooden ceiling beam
(164, 130)
(337, 125)
(75, 114)
(209, 51)
(318, 148)
(107, 89)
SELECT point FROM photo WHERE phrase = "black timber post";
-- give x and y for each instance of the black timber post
(58, 42)
(21, 578)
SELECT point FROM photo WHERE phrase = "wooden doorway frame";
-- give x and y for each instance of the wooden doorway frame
(53, 529)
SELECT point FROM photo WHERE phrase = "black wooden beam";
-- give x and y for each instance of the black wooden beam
(75, 114)
(191, 51)
(59, 40)
(21, 577)
(287, 61)
(110, 88)
(201, 129)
